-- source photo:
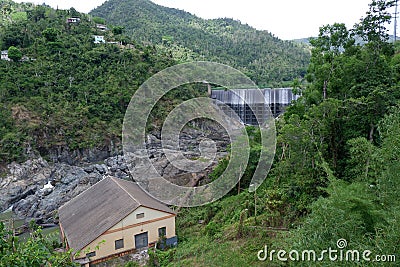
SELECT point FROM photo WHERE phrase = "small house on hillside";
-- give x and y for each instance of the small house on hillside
(101, 27)
(4, 55)
(73, 20)
(99, 39)
(113, 218)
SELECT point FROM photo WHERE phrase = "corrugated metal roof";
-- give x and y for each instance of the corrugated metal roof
(99, 208)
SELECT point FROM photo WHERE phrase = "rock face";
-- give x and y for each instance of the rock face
(75, 157)
(191, 144)
(24, 188)
(36, 189)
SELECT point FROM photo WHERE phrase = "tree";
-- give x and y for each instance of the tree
(50, 34)
(14, 53)
(118, 30)
(73, 12)
(36, 251)
(38, 13)
(14, 35)
(6, 11)
(332, 41)
(99, 20)
(372, 29)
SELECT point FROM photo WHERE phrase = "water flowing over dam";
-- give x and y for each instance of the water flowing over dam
(250, 104)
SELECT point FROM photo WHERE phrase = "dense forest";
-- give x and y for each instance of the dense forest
(61, 89)
(336, 172)
(267, 60)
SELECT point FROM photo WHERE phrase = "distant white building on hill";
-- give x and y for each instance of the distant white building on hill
(73, 20)
(4, 55)
(98, 39)
(101, 27)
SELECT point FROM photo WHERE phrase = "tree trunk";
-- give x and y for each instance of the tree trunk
(371, 133)
(371, 139)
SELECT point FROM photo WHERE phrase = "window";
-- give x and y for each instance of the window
(140, 215)
(119, 244)
(162, 231)
(91, 254)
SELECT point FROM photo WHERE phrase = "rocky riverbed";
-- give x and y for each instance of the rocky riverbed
(36, 188)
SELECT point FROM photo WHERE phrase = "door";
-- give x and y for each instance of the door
(141, 240)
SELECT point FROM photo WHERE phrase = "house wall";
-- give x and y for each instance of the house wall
(128, 228)
(4, 56)
(99, 39)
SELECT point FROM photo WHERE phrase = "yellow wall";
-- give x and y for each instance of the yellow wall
(128, 228)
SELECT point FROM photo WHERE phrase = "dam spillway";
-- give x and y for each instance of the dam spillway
(250, 104)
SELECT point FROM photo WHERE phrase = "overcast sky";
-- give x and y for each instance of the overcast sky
(289, 19)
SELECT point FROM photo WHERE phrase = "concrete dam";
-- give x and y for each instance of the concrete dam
(250, 104)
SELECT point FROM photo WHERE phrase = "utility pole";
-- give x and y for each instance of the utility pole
(209, 90)
(395, 22)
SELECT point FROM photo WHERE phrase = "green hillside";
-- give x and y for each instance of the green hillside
(260, 55)
(63, 90)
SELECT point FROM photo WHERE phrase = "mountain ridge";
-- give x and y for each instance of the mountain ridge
(263, 57)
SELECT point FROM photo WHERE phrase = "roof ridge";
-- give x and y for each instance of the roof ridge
(126, 191)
